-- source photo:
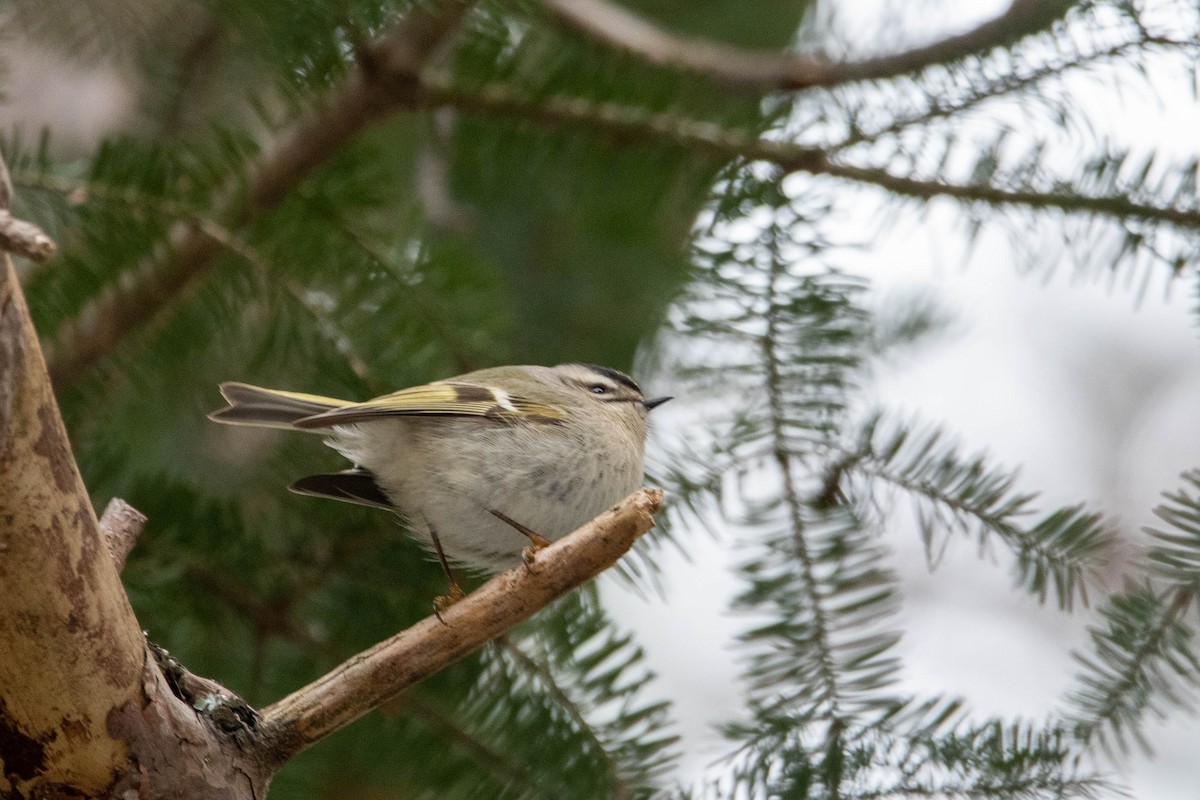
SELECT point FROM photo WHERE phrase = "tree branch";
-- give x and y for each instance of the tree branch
(371, 678)
(84, 711)
(24, 238)
(386, 81)
(121, 525)
(711, 139)
(947, 103)
(619, 27)
(1119, 206)
(17, 235)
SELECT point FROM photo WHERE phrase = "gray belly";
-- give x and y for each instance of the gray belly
(450, 475)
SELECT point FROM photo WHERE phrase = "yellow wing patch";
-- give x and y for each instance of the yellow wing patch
(439, 399)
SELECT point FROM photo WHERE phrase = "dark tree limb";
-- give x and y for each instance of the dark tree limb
(615, 25)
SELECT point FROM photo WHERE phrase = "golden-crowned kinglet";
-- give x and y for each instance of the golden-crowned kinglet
(480, 464)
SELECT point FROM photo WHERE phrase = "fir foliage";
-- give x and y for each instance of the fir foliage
(1061, 552)
(1143, 663)
(788, 343)
(553, 198)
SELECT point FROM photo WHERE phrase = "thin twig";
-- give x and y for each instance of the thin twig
(619, 27)
(374, 676)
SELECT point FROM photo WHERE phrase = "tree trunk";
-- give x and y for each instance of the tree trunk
(84, 709)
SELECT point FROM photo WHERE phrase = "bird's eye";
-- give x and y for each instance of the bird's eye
(598, 388)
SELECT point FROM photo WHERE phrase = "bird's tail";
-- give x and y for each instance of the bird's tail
(270, 408)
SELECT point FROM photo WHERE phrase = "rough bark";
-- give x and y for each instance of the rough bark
(83, 710)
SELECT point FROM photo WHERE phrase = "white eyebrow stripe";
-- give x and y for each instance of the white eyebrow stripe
(503, 400)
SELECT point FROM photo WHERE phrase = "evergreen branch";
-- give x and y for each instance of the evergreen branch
(329, 327)
(621, 28)
(79, 191)
(579, 682)
(483, 753)
(791, 497)
(1140, 656)
(227, 239)
(1064, 548)
(371, 678)
(1049, 787)
(722, 143)
(1176, 555)
(950, 758)
(546, 679)
(270, 618)
(192, 66)
(942, 105)
(385, 82)
(427, 304)
(1065, 200)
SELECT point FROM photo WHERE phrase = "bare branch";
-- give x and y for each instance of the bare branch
(385, 82)
(24, 238)
(121, 524)
(621, 28)
(373, 677)
(16, 235)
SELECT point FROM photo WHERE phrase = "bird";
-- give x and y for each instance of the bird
(484, 468)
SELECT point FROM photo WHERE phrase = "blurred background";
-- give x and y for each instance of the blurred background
(995, 251)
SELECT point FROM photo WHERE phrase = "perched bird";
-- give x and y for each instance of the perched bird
(480, 465)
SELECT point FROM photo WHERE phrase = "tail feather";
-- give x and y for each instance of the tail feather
(270, 408)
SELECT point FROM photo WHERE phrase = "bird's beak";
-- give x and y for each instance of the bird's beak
(656, 402)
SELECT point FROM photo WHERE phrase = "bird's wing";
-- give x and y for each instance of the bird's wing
(443, 399)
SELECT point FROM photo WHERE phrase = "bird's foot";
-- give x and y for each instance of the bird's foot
(445, 601)
(536, 540)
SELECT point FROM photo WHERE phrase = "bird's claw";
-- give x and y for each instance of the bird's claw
(444, 602)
